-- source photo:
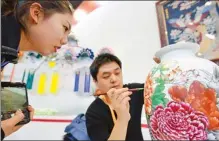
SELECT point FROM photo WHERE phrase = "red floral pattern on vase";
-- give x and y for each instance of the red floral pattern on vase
(200, 98)
(178, 121)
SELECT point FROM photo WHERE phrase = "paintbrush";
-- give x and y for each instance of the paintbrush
(131, 90)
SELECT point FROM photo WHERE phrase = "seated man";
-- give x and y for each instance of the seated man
(106, 71)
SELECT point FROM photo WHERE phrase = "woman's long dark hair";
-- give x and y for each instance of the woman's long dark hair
(8, 6)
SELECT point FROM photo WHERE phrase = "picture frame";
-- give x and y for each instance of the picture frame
(191, 21)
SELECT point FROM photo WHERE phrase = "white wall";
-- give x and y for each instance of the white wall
(130, 29)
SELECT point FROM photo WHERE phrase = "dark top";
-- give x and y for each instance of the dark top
(2, 134)
(99, 121)
(10, 38)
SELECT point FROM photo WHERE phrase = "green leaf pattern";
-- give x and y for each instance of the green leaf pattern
(158, 97)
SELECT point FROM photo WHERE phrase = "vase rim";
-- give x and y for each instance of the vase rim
(193, 47)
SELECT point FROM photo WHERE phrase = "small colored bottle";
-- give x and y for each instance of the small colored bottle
(76, 85)
(54, 83)
(42, 84)
(51, 64)
(87, 82)
(30, 79)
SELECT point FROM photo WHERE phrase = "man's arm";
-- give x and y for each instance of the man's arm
(97, 125)
(119, 130)
(119, 100)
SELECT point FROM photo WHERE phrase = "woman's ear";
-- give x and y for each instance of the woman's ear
(36, 12)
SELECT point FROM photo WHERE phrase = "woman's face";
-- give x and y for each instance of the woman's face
(46, 35)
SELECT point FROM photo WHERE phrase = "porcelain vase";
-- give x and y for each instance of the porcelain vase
(181, 95)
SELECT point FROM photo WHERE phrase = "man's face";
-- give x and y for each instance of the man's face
(109, 76)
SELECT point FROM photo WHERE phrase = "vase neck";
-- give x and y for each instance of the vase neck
(178, 54)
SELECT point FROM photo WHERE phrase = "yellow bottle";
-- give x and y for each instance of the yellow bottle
(52, 64)
(54, 83)
(42, 84)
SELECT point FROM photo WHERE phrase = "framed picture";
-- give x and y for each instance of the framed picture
(192, 21)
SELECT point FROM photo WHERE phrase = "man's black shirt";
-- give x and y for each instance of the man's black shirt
(99, 121)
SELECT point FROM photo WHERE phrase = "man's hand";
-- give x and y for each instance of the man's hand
(120, 102)
(9, 125)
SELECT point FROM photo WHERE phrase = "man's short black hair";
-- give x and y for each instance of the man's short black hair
(101, 60)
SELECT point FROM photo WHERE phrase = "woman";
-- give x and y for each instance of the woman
(36, 25)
